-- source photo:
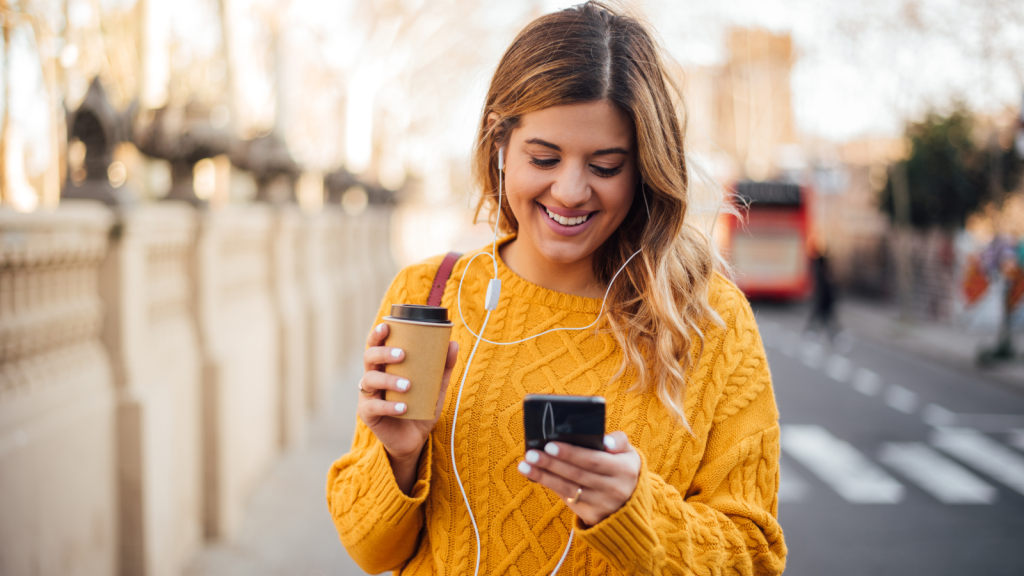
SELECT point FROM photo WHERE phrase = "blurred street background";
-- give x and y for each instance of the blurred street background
(203, 201)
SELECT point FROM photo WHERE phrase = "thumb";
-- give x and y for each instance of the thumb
(617, 443)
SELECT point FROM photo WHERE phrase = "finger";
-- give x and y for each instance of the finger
(375, 407)
(377, 336)
(592, 460)
(560, 486)
(570, 472)
(382, 355)
(453, 356)
(617, 443)
(374, 381)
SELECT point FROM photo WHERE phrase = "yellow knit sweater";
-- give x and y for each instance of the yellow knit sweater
(704, 504)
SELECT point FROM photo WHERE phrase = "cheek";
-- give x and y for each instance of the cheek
(618, 200)
(521, 191)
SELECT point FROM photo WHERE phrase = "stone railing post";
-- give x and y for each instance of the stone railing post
(57, 459)
(321, 306)
(150, 332)
(289, 291)
(239, 339)
(345, 253)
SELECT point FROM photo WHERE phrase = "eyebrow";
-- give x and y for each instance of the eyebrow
(557, 148)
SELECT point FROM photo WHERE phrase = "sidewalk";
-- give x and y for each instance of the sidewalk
(945, 343)
(287, 530)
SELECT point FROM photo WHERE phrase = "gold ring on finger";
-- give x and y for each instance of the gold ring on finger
(364, 391)
(575, 498)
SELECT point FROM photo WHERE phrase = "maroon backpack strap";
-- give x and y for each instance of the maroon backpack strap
(441, 278)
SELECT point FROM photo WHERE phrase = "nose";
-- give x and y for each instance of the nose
(571, 188)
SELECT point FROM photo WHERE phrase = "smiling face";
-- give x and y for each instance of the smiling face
(570, 176)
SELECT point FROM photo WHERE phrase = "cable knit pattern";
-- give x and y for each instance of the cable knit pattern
(705, 503)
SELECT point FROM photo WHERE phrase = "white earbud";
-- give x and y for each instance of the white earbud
(501, 158)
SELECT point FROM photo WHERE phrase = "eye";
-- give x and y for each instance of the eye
(543, 162)
(606, 172)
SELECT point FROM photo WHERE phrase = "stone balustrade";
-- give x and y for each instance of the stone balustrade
(154, 363)
(57, 409)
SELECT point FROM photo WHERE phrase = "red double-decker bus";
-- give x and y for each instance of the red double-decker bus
(768, 249)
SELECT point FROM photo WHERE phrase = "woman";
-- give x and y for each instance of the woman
(594, 171)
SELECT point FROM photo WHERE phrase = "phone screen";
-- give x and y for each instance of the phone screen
(577, 420)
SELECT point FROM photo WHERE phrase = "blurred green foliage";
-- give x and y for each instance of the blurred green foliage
(949, 174)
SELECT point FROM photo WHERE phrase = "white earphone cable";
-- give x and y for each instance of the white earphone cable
(480, 338)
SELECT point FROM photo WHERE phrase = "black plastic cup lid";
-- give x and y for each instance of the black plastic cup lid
(418, 313)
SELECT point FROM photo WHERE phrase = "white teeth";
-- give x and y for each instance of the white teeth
(567, 221)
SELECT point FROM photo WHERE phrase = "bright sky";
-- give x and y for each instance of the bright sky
(862, 67)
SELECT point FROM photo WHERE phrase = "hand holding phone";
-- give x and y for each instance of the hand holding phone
(561, 432)
(576, 420)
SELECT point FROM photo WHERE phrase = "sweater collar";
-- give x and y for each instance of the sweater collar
(515, 284)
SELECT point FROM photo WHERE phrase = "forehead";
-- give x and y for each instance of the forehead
(595, 125)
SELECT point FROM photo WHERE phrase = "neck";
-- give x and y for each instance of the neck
(576, 278)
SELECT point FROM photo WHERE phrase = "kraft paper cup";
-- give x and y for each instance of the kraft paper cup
(423, 332)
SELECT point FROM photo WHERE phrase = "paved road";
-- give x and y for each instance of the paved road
(892, 464)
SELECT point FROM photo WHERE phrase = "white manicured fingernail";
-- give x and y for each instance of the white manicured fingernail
(524, 468)
(551, 449)
(532, 457)
(400, 407)
(396, 352)
(609, 442)
(402, 384)
(380, 327)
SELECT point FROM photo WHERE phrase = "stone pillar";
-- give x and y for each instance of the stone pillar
(239, 339)
(57, 462)
(321, 305)
(289, 291)
(352, 285)
(151, 335)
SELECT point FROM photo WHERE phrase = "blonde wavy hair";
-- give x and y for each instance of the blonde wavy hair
(589, 53)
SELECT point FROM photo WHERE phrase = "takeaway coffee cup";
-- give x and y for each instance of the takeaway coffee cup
(423, 332)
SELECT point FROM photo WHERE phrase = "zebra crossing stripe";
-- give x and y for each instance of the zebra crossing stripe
(899, 398)
(866, 382)
(837, 463)
(1017, 439)
(811, 354)
(982, 453)
(944, 479)
(839, 368)
(792, 488)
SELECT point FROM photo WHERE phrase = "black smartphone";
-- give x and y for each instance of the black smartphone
(577, 420)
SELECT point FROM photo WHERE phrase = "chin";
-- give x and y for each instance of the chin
(563, 252)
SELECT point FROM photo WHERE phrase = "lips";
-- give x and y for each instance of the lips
(564, 221)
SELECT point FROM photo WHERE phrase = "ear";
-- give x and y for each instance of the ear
(492, 119)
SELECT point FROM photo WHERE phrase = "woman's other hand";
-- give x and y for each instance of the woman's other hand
(607, 478)
(403, 439)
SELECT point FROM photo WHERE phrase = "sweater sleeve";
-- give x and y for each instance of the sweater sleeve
(725, 521)
(380, 525)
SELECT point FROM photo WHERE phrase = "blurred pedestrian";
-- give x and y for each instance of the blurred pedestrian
(823, 303)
